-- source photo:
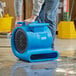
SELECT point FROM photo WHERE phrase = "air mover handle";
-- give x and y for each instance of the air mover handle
(38, 24)
(22, 23)
(35, 26)
(38, 27)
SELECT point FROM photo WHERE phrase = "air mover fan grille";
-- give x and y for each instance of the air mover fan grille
(20, 41)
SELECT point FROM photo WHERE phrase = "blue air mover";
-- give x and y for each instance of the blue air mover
(33, 42)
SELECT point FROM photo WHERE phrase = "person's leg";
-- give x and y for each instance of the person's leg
(51, 7)
(41, 17)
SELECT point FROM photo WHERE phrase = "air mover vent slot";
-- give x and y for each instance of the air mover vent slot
(20, 41)
(44, 56)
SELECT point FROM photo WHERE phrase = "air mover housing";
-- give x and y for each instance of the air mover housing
(33, 42)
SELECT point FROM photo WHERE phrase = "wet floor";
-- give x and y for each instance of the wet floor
(64, 66)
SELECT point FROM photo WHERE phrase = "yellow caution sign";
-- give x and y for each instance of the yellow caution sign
(66, 30)
(5, 23)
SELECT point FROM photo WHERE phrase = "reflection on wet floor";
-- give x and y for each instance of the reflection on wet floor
(50, 68)
(67, 67)
(64, 66)
(34, 69)
(66, 47)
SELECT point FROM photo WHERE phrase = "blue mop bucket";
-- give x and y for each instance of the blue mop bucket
(33, 42)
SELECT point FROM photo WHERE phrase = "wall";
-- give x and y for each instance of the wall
(28, 8)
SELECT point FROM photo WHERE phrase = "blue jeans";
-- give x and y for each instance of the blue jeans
(48, 14)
